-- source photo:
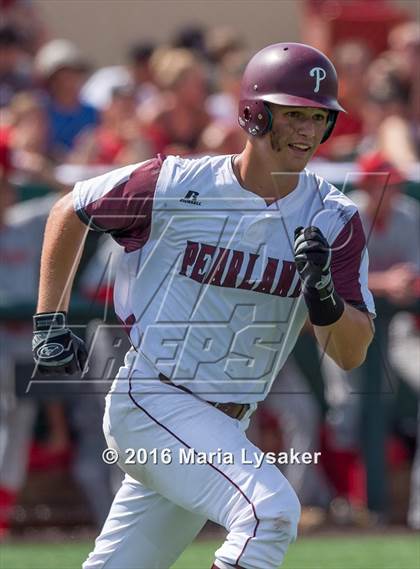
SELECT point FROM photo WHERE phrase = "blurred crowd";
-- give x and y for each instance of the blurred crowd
(62, 119)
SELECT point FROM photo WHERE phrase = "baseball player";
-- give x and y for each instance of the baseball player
(227, 256)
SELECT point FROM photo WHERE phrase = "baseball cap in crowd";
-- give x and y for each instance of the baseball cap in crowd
(375, 170)
(103, 84)
(59, 54)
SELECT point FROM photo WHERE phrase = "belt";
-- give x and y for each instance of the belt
(233, 410)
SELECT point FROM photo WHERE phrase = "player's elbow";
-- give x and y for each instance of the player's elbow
(354, 357)
(351, 362)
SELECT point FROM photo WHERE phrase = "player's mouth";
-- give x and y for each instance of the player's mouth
(300, 147)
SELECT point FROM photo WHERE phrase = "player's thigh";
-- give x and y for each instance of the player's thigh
(233, 485)
(143, 531)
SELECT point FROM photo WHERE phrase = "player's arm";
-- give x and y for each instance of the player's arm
(119, 203)
(63, 245)
(55, 348)
(346, 341)
(343, 331)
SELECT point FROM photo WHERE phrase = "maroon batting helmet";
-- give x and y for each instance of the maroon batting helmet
(290, 74)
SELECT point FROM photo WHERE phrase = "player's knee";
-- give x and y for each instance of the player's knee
(275, 515)
(272, 523)
(279, 515)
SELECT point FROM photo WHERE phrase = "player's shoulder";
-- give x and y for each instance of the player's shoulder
(332, 210)
(128, 179)
(332, 197)
(198, 173)
(168, 170)
(183, 168)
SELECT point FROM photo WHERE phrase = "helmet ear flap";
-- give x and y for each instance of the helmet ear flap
(255, 117)
(332, 118)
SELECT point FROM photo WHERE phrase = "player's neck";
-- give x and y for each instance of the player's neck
(258, 175)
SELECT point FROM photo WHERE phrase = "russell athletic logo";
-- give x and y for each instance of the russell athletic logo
(191, 197)
(319, 73)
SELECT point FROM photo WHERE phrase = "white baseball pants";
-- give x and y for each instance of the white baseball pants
(160, 508)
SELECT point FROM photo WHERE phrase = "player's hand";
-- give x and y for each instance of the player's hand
(55, 349)
(313, 261)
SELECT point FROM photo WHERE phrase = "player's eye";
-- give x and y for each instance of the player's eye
(320, 117)
(293, 114)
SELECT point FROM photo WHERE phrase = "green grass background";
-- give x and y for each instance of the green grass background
(361, 552)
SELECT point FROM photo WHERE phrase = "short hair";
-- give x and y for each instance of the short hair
(169, 66)
(141, 52)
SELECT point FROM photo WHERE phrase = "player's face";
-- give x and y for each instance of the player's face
(295, 135)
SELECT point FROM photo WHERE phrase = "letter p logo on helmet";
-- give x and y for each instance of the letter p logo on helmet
(319, 73)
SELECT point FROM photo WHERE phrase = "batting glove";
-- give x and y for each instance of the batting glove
(313, 261)
(55, 349)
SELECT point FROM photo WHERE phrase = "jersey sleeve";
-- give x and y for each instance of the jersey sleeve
(350, 265)
(120, 202)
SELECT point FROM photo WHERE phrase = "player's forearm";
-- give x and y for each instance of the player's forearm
(347, 340)
(63, 246)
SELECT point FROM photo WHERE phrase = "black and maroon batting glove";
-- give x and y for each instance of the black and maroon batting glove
(313, 261)
(55, 349)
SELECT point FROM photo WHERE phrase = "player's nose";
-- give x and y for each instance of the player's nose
(306, 128)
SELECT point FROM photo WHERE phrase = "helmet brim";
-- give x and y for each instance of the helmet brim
(294, 101)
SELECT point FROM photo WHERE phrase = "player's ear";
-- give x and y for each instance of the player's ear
(270, 112)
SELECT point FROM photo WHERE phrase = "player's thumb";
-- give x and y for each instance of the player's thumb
(298, 231)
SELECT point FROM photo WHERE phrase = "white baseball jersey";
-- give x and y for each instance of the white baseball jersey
(213, 300)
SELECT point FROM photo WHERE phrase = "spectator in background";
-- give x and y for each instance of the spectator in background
(351, 60)
(118, 139)
(290, 400)
(28, 124)
(387, 214)
(223, 105)
(62, 68)
(175, 120)
(222, 135)
(390, 220)
(392, 115)
(386, 97)
(404, 44)
(98, 89)
(15, 64)
(191, 37)
(24, 15)
(21, 232)
(399, 134)
(220, 138)
(28, 142)
(139, 58)
(223, 41)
